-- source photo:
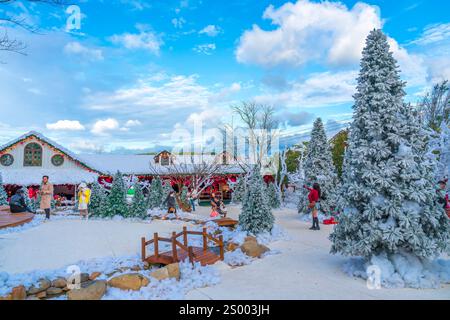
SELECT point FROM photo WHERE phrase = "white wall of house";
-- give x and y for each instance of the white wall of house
(47, 154)
(67, 173)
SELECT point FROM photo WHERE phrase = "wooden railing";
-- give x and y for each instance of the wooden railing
(183, 246)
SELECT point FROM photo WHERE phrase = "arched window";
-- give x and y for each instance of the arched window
(32, 155)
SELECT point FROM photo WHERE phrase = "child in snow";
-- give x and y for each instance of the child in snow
(314, 204)
(171, 205)
(217, 206)
(84, 198)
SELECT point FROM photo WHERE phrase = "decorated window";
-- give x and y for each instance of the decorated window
(6, 160)
(32, 155)
(57, 160)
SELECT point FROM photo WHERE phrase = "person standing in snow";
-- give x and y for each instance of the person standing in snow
(192, 197)
(46, 193)
(443, 196)
(314, 204)
(84, 198)
(171, 205)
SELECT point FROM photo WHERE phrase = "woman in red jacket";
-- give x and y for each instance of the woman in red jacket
(314, 206)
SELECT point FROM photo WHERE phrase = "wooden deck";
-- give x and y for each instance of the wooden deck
(8, 219)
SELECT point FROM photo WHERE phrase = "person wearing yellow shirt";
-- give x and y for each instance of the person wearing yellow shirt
(84, 198)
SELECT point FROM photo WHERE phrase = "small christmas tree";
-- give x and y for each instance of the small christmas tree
(273, 197)
(138, 208)
(116, 202)
(30, 203)
(97, 206)
(239, 190)
(319, 168)
(156, 195)
(256, 216)
(3, 194)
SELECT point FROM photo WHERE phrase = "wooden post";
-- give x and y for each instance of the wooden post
(143, 248)
(191, 255)
(185, 236)
(205, 240)
(222, 255)
(174, 247)
(155, 244)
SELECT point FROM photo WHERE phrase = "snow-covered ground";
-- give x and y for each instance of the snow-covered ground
(299, 265)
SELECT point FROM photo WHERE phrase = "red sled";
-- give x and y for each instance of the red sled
(330, 221)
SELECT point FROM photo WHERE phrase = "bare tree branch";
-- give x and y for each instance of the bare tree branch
(15, 45)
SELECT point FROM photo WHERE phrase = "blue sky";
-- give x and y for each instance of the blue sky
(137, 71)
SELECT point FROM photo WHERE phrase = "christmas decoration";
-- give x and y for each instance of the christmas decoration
(97, 206)
(387, 203)
(256, 216)
(319, 168)
(138, 208)
(116, 201)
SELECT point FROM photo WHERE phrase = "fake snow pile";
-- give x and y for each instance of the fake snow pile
(191, 277)
(401, 270)
(169, 289)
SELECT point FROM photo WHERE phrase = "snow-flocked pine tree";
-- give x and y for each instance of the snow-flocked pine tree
(138, 207)
(256, 216)
(387, 202)
(98, 203)
(319, 168)
(156, 195)
(31, 203)
(239, 190)
(3, 194)
(273, 197)
(116, 202)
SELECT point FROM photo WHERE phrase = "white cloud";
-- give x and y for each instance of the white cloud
(319, 90)
(433, 34)
(132, 123)
(210, 30)
(307, 31)
(86, 146)
(145, 39)
(102, 127)
(71, 125)
(205, 48)
(150, 97)
(76, 48)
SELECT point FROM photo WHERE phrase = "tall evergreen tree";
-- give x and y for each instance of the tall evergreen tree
(319, 168)
(256, 216)
(116, 202)
(3, 194)
(138, 207)
(98, 203)
(387, 202)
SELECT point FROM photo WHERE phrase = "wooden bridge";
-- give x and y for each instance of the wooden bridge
(182, 251)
